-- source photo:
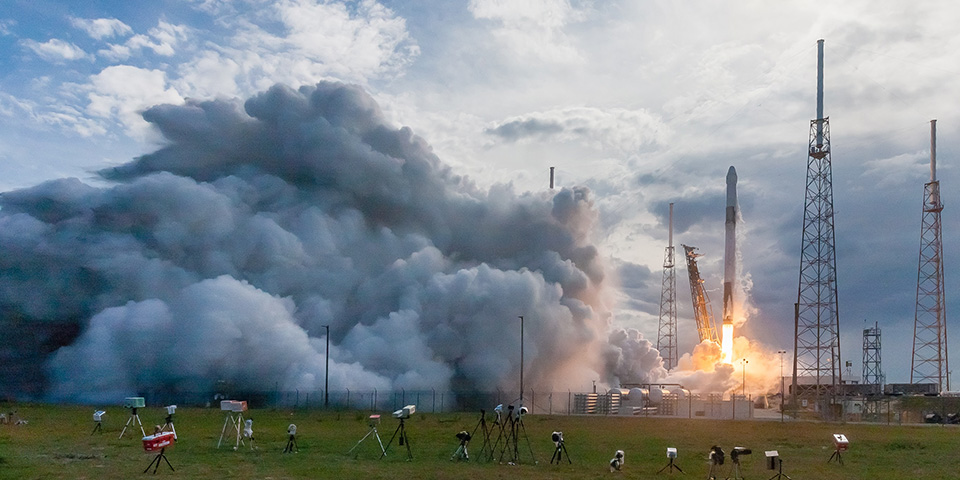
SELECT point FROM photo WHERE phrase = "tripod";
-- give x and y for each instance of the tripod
(735, 470)
(132, 421)
(373, 430)
(97, 428)
(482, 426)
(169, 425)
(560, 451)
(780, 475)
(403, 440)
(836, 453)
(292, 444)
(515, 429)
(670, 466)
(461, 453)
(157, 460)
(499, 423)
(712, 474)
(235, 423)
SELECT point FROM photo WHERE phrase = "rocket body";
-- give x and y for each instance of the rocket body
(729, 266)
(730, 245)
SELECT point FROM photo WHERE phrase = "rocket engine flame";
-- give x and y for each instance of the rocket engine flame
(726, 342)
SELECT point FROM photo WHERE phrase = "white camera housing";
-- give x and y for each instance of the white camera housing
(235, 406)
(98, 415)
(292, 429)
(671, 452)
(134, 402)
(171, 409)
(405, 412)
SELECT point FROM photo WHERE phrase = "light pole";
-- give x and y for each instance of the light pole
(326, 376)
(744, 362)
(781, 352)
(521, 360)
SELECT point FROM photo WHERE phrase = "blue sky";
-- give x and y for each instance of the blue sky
(646, 103)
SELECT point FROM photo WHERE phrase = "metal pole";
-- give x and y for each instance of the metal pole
(781, 352)
(521, 360)
(820, 92)
(326, 376)
(796, 333)
(744, 362)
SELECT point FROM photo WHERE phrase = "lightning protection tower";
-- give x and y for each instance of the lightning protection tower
(816, 361)
(667, 337)
(929, 363)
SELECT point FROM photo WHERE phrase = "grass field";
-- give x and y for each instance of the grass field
(57, 443)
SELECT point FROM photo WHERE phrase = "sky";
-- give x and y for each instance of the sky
(645, 103)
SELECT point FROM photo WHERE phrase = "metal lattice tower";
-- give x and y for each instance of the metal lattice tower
(872, 374)
(929, 363)
(667, 337)
(702, 311)
(817, 348)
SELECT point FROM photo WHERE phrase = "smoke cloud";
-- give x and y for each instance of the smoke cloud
(222, 256)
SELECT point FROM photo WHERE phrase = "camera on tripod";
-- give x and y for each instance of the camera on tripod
(464, 436)
(405, 412)
(557, 438)
(737, 451)
(716, 455)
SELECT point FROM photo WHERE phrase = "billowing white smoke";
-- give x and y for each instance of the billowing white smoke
(222, 255)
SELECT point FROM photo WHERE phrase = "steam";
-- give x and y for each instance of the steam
(223, 255)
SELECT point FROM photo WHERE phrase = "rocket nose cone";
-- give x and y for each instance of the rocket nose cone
(732, 175)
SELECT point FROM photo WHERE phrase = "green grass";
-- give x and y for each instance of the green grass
(56, 443)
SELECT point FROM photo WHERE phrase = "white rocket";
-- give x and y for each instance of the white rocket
(729, 267)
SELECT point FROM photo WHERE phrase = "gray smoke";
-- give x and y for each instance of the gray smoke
(222, 255)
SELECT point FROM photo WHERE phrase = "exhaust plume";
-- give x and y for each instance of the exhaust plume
(221, 255)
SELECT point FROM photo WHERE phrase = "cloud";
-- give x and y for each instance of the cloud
(122, 92)
(55, 50)
(6, 26)
(100, 28)
(161, 40)
(533, 28)
(221, 256)
(615, 129)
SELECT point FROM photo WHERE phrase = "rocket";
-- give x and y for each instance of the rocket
(729, 266)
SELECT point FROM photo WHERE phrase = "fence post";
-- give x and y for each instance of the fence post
(348, 399)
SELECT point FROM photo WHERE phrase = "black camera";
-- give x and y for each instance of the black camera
(464, 436)
(557, 437)
(737, 451)
(716, 455)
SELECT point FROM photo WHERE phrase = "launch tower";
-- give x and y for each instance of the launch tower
(929, 363)
(702, 311)
(667, 337)
(816, 361)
